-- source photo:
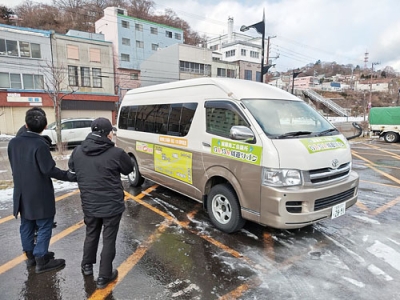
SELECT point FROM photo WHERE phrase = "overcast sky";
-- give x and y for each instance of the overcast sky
(306, 30)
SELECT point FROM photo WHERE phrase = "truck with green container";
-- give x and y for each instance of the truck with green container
(385, 122)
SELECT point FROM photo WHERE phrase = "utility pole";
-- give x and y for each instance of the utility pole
(370, 85)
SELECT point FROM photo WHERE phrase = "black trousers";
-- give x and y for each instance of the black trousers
(110, 227)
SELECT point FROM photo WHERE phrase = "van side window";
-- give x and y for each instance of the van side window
(171, 119)
(220, 118)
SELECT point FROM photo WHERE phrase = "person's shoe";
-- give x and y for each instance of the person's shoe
(102, 282)
(87, 269)
(54, 224)
(44, 264)
(31, 261)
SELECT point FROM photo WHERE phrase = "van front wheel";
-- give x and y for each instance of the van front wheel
(224, 209)
(135, 178)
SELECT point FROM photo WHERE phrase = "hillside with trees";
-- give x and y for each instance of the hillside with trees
(64, 15)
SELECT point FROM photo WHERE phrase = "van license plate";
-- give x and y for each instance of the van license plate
(338, 210)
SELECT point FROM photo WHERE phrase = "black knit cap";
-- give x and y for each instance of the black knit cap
(102, 126)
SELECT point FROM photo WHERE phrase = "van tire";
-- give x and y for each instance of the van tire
(224, 209)
(391, 137)
(135, 178)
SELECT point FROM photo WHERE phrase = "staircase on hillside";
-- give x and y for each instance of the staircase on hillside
(327, 102)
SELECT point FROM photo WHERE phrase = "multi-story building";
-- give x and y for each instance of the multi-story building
(184, 62)
(240, 48)
(29, 61)
(87, 62)
(134, 41)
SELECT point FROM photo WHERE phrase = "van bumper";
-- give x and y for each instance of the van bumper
(296, 207)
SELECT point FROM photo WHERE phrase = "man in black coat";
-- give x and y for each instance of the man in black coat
(98, 166)
(32, 168)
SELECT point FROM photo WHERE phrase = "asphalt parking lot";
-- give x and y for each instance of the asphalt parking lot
(168, 249)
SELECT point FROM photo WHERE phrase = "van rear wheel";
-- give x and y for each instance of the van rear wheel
(391, 137)
(135, 178)
(224, 209)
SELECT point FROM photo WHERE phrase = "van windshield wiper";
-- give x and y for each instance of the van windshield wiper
(293, 133)
(327, 131)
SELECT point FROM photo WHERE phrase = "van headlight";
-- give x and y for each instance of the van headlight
(280, 177)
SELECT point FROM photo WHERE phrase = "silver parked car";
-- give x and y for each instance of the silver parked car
(74, 131)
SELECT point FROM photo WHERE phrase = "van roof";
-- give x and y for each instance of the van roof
(234, 88)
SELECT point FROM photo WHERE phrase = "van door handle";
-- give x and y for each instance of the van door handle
(206, 144)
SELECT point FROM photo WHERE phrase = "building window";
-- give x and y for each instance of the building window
(73, 75)
(154, 47)
(134, 76)
(230, 73)
(139, 27)
(213, 48)
(254, 54)
(72, 52)
(196, 68)
(230, 53)
(258, 76)
(168, 34)
(120, 12)
(124, 57)
(4, 80)
(85, 76)
(178, 36)
(125, 24)
(94, 55)
(15, 81)
(248, 75)
(97, 82)
(126, 42)
(139, 44)
(35, 49)
(221, 72)
(24, 49)
(243, 52)
(153, 30)
(33, 82)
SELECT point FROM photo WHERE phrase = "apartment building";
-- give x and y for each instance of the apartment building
(30, 59)
(134, 41)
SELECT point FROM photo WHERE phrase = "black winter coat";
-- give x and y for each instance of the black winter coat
(98, 166)
(32, 168)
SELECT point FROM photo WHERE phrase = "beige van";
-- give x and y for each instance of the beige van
(246, 150)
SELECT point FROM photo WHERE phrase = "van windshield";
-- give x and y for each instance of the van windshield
(288, 119)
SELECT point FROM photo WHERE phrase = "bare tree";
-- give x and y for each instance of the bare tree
(55, 87)
(5, 14)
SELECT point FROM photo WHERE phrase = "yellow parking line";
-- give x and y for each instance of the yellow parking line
(3, 220)
(12, 263)
(238, 292)
(385, 207)
(129, 263)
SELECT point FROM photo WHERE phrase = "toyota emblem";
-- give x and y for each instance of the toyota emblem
(335, 163)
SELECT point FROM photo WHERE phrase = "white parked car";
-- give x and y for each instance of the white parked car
(73, 131)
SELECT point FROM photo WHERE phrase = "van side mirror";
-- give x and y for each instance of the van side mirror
(241, 133)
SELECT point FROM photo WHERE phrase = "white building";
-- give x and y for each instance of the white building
(180, 62)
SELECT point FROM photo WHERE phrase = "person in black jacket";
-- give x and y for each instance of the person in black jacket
(98, 165)
(24, 129)
(32, 168)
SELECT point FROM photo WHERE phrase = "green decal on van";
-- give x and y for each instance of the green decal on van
(174, 163)
(144, 147)
(238, 151)
(320, 144)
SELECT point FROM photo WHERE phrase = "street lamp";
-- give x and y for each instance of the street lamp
(295, 74)
(260, 27)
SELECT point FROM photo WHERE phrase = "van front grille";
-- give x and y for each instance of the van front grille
(328, 174)
(333, 200)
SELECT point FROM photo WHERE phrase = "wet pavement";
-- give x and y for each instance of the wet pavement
(168, 249)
